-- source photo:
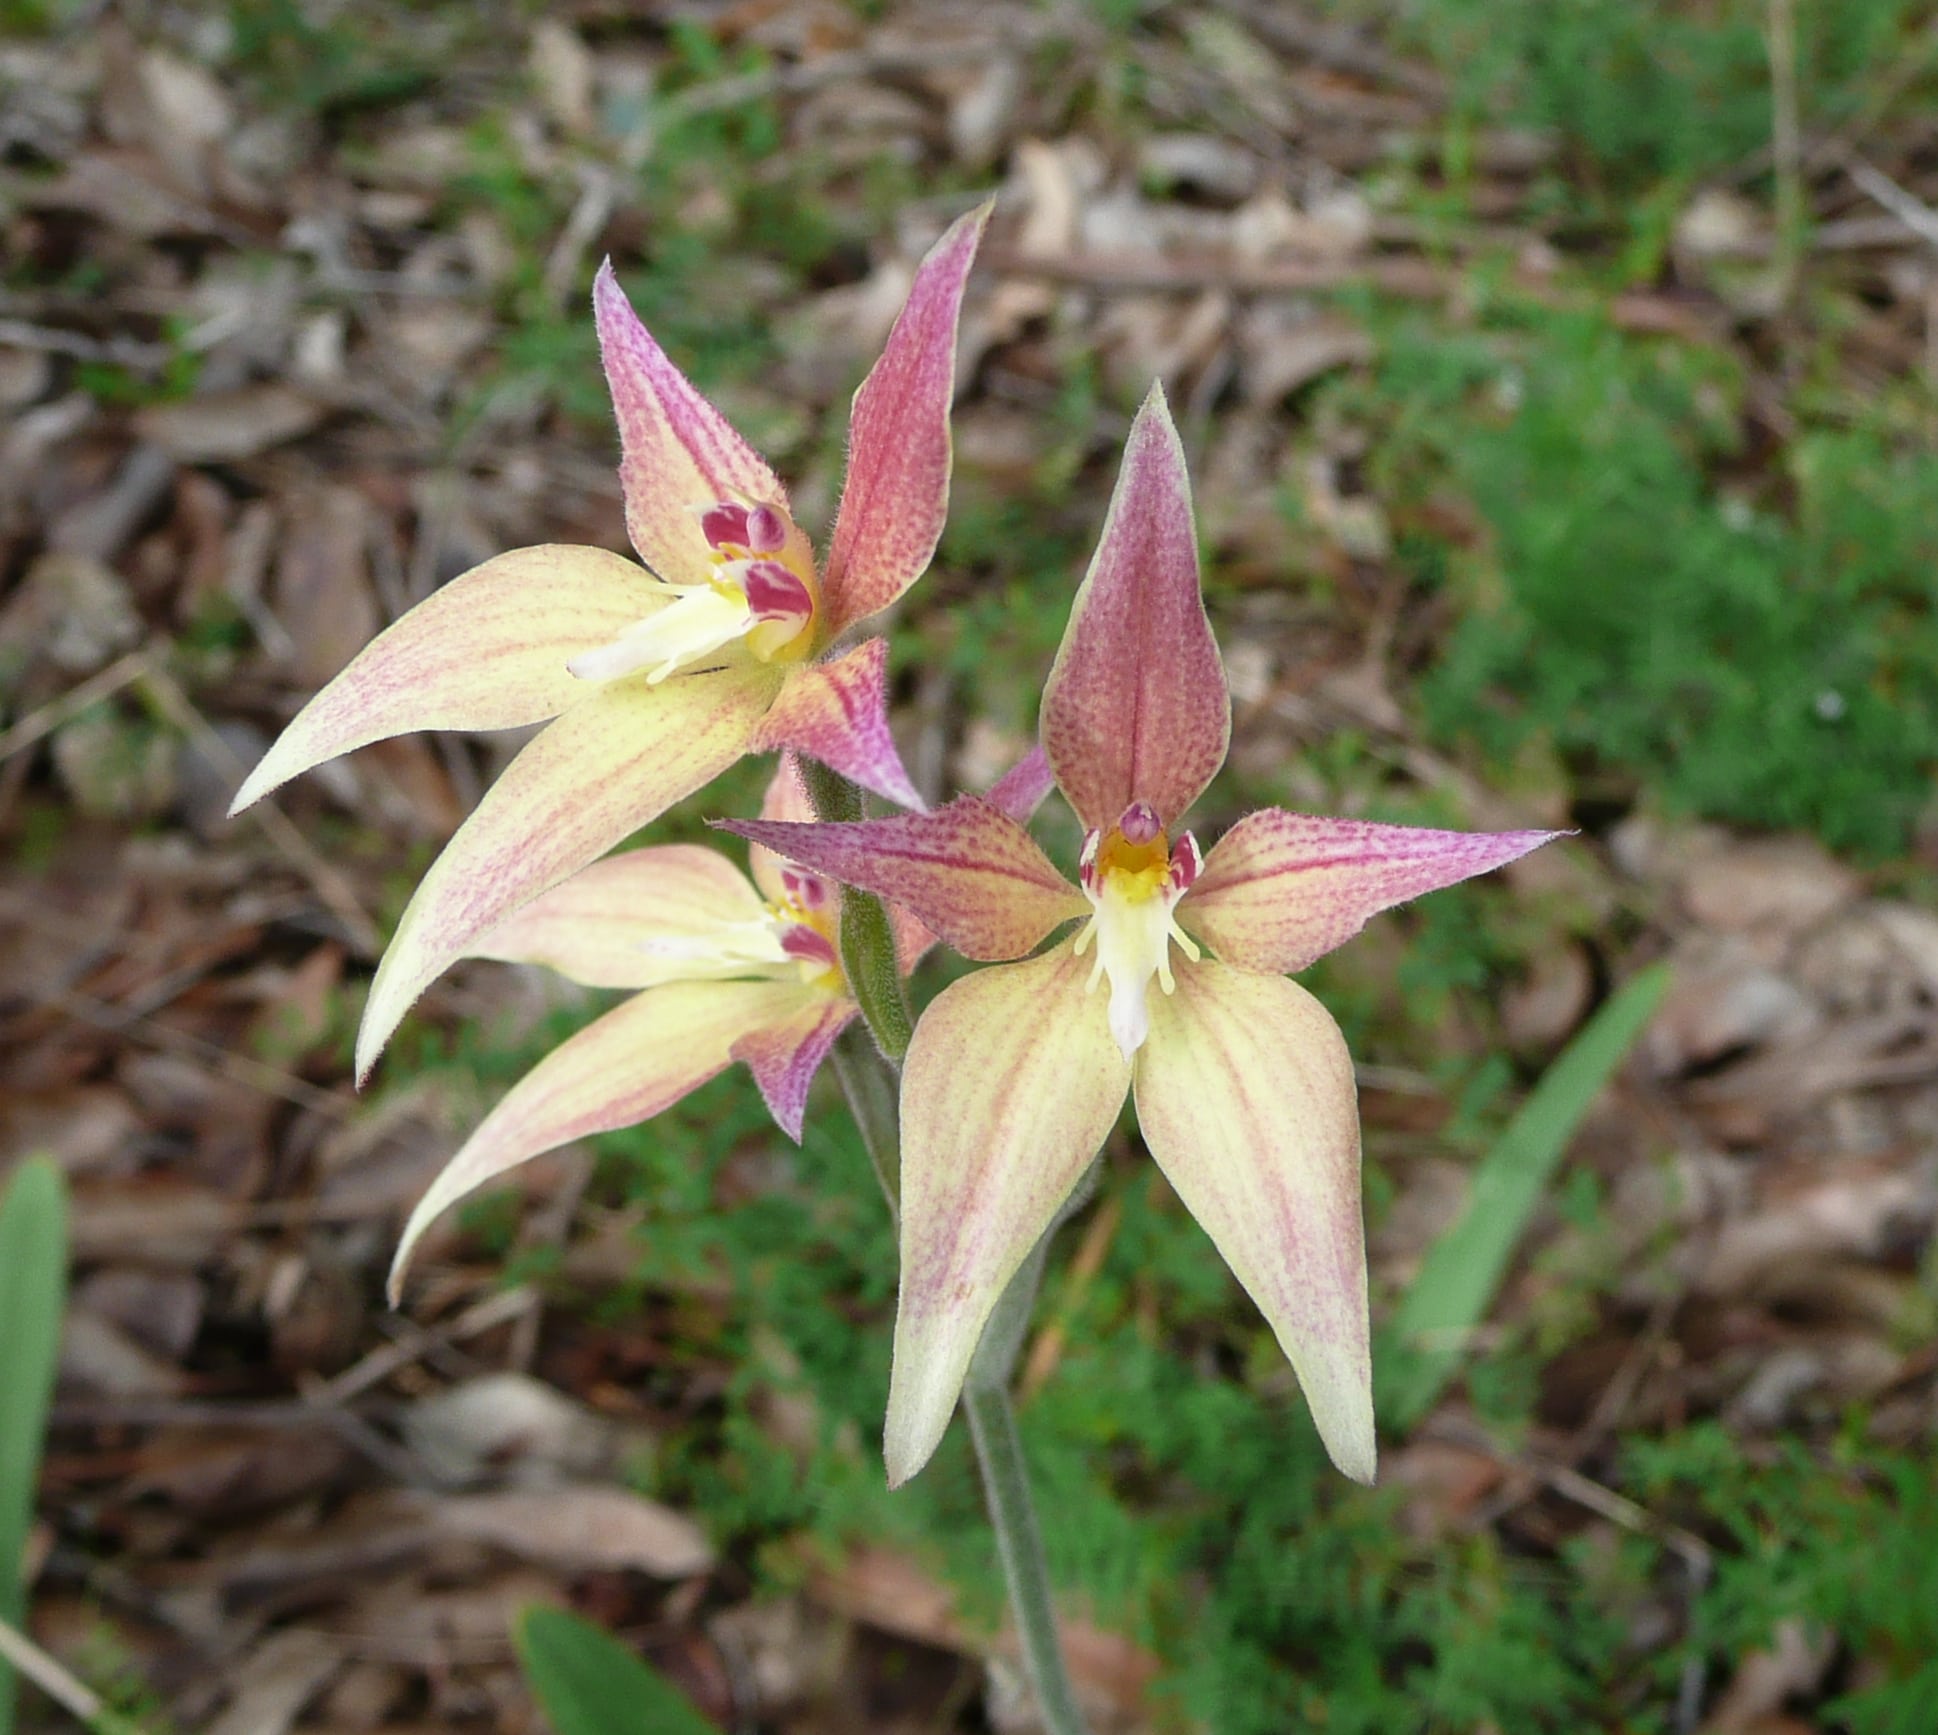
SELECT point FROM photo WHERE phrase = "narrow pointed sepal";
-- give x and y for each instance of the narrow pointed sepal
(613, 763)
(1281, 889)
(837, 712)
(1010, 1087)
(1136, 708)
(1020, 790)
(679, 455)
(896, 495)
(486, 651)
(785, 1055)
(621, 1069)
(968, 873)
(616, 923)
(1245, 1096)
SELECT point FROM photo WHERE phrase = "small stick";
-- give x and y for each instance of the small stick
(73, 1696)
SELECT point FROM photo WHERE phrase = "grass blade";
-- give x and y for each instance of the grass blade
(1456, 1284)
(588, 1683)
(33, 1293)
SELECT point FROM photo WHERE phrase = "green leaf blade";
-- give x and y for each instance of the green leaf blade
(588, 1683)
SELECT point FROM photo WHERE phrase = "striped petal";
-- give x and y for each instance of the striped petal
(1011, 1086)
(609, 924)
(896, 495)
(1281, 889)
(1136, 707)
(837, 712)
(1245, 1097)
(679, 455)
(487, 651)
(611, 764)
(785, 1055)
(969, 873)
(621, 1069)
(786, 799)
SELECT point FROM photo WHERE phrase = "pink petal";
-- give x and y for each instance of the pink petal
(837, 712)
(1245, 1096)
(680, 457)
(1020, 790)
(487, 651)
(626, 1067)
(784, 1056)
(896, 495)
(1281, 889)
(1136, 707)
(616, 761)
(600, 926)
(1010, 1087)
(786, 799)
(971, 874)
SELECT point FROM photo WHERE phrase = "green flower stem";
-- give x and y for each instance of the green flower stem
(867, 938)
(870, 1076)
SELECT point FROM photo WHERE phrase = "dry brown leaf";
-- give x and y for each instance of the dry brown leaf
(581, 1528)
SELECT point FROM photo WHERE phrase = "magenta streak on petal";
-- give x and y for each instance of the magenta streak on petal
(785, 1057)
(677, 451)
(775, 593)
(1136, 708)
(837, 712)
(1281, 889)
(1187, 862)
(896, 493)
(969, 873)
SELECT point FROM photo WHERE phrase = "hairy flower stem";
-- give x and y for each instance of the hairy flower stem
(870, 1078)
(867, 939)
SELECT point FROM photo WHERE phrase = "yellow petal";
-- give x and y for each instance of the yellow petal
(487, 651)
(614, 762)
(640, 1058)
(1010, 1088)
(616, 923)
(1245, 1096)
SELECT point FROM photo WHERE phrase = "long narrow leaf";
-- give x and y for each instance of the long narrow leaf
(587, 1683)
(33, 1292)
(1456, 1284)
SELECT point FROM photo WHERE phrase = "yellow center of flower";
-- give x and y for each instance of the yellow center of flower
(1133, 883)
(758, 588)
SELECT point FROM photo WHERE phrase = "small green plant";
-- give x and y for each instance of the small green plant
(33, 1295)
(588, 1683)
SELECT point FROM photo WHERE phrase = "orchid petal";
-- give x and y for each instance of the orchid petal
(1136, 707)
(1020, 790)
(785, 1055)
(971, 874)
(1245, 1097)
(487, 651)
(896, 495)
(837, 712)
(786, 799)
(679, 455)
(623, 1068)
(601, 926)
(1281, 889)
(1011, 1086)
(611, 764)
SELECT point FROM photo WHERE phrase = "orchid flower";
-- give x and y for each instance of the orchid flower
(659, 677)
(1174, 989)
(727, 969)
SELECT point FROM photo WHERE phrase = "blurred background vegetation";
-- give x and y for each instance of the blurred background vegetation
(1559, 381)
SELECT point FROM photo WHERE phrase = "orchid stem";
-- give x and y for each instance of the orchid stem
(868, 957)
(868, 1082)
(1006, 1482)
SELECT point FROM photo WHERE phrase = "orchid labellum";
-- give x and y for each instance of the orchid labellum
(658, 676)
(1173, 988)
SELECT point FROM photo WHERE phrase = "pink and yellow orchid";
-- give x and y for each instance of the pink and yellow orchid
(727, 969)
(1243, 1086)
(661, 676)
